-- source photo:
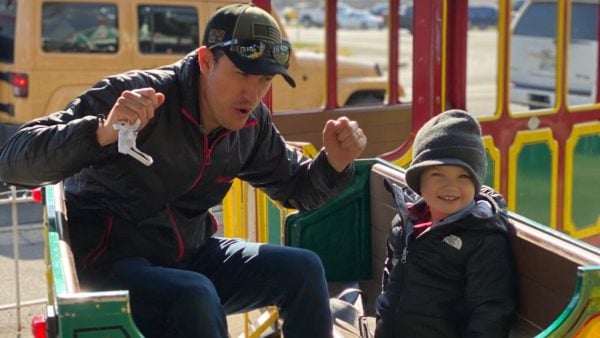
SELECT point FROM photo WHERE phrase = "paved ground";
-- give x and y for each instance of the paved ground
(32, 286)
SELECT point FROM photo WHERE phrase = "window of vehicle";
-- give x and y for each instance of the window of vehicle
(483, 16)
(8, 11)
(583, 54)
(167, 29)
(539, 20)
(533, 69)
(584, 25)
(79, 28)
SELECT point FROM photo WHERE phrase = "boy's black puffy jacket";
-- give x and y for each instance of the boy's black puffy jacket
(455, 280)
(118, 207)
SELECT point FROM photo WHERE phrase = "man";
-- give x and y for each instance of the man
(145, 227)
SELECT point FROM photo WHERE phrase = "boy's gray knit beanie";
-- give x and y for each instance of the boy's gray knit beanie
(450, 138)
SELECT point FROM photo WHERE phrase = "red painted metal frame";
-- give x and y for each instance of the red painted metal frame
(456, 80)
(427, 66)
(503, 127)
(331, 54)
(268, 98)
(428, 77)
(393, 50)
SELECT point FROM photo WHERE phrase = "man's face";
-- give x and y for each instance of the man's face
(446, 189)
(231, 95)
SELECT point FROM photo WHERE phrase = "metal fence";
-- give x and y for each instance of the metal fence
(13, 198)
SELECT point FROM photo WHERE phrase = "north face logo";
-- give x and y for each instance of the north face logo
(453, 241)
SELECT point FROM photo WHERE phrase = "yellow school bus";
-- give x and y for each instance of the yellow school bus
(51, 51)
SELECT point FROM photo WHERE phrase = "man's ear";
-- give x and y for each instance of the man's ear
(205, 59)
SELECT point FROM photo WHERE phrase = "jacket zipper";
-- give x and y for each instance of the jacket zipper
(207, 153)
(404, 254)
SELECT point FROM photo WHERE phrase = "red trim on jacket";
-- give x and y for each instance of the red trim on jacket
(93, 256)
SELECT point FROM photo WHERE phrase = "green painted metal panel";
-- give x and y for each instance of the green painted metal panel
(586, 181)
(534, 182)
(274, 223)
(97, 315)
(58, 278)
(340, 231)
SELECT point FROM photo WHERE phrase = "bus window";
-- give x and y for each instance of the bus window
(79, 28)
(167, 29)
(8, 12)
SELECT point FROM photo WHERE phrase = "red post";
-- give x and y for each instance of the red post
(268, 98)
(331, 54)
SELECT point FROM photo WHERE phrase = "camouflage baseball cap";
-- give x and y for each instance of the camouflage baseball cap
(251, 38)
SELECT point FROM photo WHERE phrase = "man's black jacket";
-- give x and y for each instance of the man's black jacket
(118, 207)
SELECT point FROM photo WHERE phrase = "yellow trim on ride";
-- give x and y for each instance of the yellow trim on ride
(488, 143)
(561, 45)
(404, 160)
(444, 55)
(234, 211)
(501, 77)
(590, 329)
(262, 215)
(579, 131)
(522, 139)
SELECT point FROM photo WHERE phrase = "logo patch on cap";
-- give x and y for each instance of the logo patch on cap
(215, 36)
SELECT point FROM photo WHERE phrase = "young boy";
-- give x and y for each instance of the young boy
(449, 271)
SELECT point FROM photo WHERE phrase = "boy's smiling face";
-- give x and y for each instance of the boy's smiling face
(446, 189)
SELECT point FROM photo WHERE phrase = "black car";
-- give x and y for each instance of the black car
(482, 16)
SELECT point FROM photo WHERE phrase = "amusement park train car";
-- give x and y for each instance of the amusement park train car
(559, 277)
(543, 161)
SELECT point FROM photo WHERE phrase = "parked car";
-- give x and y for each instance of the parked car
(516, 5)
(380, 9)
(383, 10)
(483, 16)
(315, 16)
(406, 18)
(533, 54)
(359, 19)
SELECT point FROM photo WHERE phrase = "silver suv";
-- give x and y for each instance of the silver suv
(533, 54)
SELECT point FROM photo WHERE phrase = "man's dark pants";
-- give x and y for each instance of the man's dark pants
(226, 277)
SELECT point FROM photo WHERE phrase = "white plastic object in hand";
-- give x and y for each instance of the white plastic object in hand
(126, 145)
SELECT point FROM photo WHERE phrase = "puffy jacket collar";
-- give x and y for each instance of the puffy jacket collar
(487, 205)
